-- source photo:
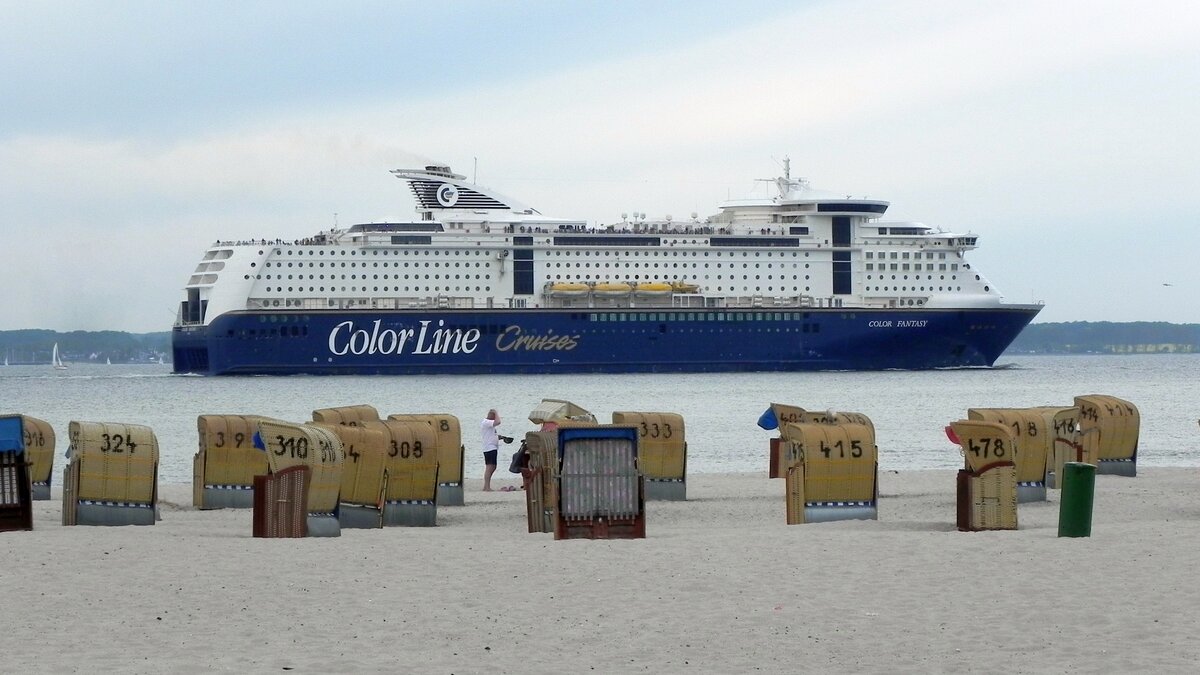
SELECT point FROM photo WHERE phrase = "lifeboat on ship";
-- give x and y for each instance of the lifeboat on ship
(684, 287)
(652, 289)
(611, 289)
(567, 289)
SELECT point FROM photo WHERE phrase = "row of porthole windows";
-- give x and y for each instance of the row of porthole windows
(916, 277)
(376, 289)
(374, 264)
(375, 252)
(363, 277)
(893, 289)
(731, 277)
(656, 265)
(374, 276)
(653, 252)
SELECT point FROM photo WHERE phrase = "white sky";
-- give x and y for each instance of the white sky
(134, 134)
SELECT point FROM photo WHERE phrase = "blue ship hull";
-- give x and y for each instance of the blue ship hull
(440, 341)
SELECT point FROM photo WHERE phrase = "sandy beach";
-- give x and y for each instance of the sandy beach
(720, 585)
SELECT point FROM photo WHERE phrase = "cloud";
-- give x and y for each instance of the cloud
(1017, 120)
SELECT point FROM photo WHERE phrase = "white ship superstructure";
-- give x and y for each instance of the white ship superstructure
(797, 248)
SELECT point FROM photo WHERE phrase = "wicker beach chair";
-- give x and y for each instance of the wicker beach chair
(832, 472)
(600, 488)
(662, 452)
(226, 463)
(451, 454)
(111, 475)
(987, 487)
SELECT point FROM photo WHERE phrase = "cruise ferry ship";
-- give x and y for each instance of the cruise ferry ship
(796, 279)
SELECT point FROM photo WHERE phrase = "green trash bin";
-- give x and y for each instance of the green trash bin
(1075, 508)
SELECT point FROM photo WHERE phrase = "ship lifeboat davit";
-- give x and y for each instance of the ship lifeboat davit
(653, 288)
(564, 289)
(609, 289)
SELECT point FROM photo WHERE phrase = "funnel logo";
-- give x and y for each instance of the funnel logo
(447, 195)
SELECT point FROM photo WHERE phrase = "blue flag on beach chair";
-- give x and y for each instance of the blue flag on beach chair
(767, 420)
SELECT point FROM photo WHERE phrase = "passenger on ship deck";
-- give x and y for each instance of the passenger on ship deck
(491, 447)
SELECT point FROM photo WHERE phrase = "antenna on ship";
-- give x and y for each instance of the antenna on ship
(475, 171)
(787, 168)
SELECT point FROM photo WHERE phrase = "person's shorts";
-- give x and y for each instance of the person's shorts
(489, 457)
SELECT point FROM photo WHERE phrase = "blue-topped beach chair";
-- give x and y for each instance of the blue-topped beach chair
(600, 487)
(16, 498)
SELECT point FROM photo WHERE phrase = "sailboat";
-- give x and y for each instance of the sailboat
(57, 360)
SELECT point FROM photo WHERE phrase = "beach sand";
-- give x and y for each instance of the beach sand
(721, 584)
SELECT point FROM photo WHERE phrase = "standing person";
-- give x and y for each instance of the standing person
(491, 447)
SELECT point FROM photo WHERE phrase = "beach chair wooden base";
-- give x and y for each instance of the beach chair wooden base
(987, 500)
(828, 512)
(450, 494)
(601, 528)
(16, 500)
(227, 497)
(323, 525)
(539, 515)
(410, 514)
(40, 492)
(359, 517)
(281, 503)
(775, 463)
(1117, 467)
(666, 489)
(109, 513)
(1031, 492)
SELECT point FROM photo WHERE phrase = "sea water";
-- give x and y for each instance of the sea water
(909, 408)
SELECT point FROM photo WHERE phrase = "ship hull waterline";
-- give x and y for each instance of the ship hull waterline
(595, 340)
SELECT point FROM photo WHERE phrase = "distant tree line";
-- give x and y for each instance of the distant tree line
(35, 345)
(1106, 337)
